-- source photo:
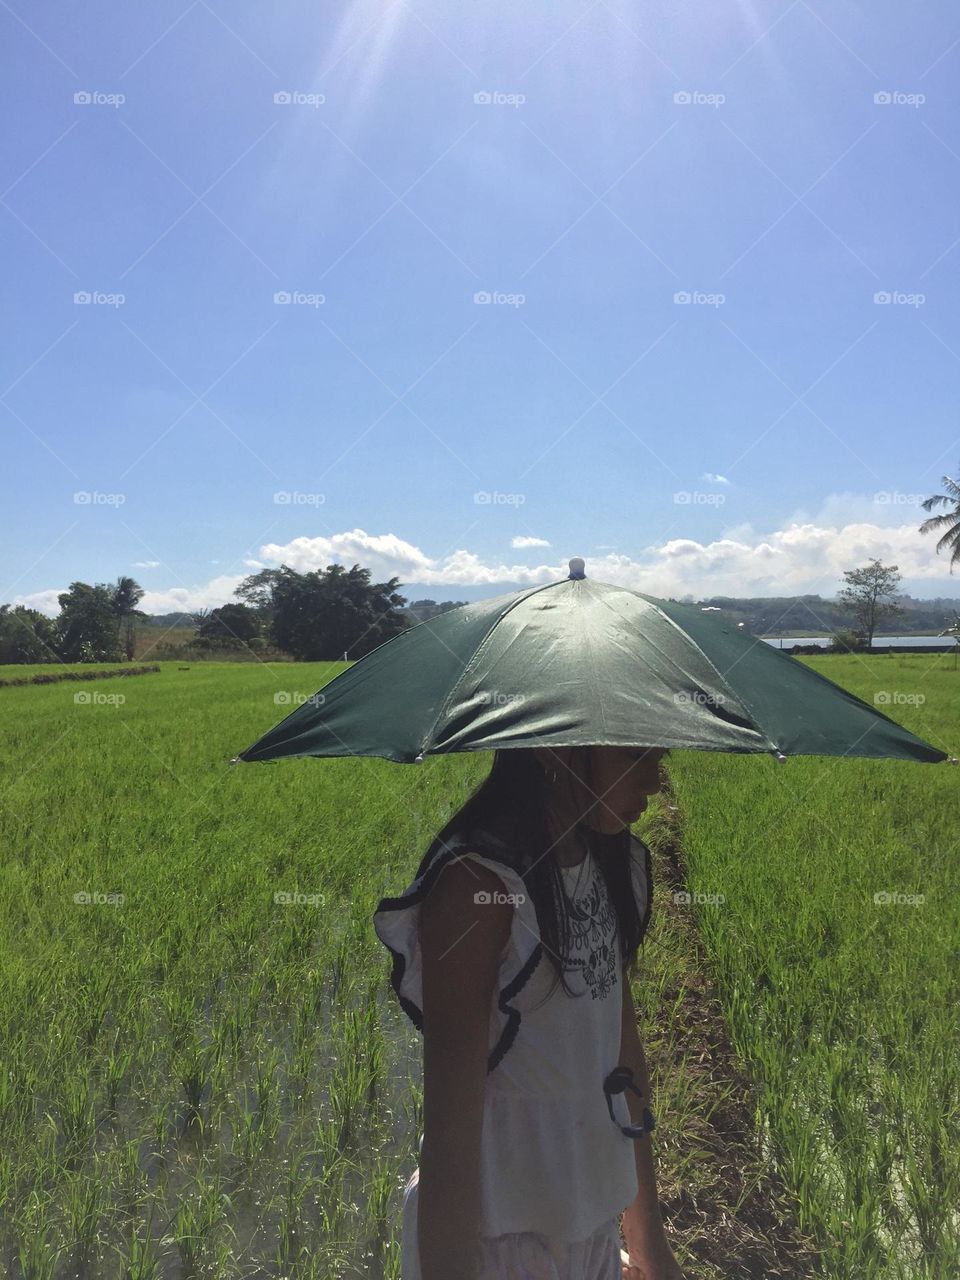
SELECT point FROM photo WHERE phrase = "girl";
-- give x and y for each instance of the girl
(535, 1098)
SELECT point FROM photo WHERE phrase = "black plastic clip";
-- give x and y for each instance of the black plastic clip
(619, 1079)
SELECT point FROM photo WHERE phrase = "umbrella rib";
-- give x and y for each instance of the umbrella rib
(738, 697)
(471, 661)
(817, 676)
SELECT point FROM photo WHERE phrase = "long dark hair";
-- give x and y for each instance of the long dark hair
(506, 819)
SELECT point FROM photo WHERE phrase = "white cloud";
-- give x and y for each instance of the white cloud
(521, 541)
(387, 556)
(803, 556)
(43, 601)
(216, 592)
(146, 564)
(208, 595)
(800, 557)
(883, 507)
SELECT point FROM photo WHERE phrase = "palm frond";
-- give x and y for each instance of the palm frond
(936, 521)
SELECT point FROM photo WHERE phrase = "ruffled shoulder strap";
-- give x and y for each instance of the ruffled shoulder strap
(397, 925)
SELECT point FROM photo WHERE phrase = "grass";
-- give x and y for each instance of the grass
(842, 1005)
(198, 1044)
(201, 1078)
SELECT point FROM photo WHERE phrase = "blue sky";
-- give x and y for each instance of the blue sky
(181, 165)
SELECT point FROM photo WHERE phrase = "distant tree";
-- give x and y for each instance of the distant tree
(88, 627)
(949, 518)
(127, 594)
(319, 616)
(871, 594)
(954, 630)
(26, 635)
(424, 610)
(232, 626)
(844, 641)
(258, 592)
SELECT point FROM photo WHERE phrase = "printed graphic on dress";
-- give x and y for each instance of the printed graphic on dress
(593, 937)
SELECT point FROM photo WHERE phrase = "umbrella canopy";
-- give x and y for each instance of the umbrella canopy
(576, 663)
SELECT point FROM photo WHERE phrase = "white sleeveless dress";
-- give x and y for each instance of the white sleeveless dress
(556, 1170)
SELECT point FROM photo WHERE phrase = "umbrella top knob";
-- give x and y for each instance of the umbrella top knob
(576, 567)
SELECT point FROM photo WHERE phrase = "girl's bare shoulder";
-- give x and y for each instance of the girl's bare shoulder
(466, 915)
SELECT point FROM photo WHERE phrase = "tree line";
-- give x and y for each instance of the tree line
(318, 616)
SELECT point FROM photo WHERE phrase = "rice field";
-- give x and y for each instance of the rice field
(827, 893)
(203, 1072)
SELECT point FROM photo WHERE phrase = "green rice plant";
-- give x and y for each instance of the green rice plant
(141, 1258)
(115, 1067)
(379, 1197)
(268, 1089)
(349, 1085)
(129, 1183)
(248, 1140)
(77, 1122)
(159, 1129)
(201, 1212)
(86, 1200)
(291, 1228)
(199, 1066)
(37, 1251)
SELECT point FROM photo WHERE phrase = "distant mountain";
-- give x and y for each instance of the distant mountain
(769, 615)
(169, 620)
(417, 611)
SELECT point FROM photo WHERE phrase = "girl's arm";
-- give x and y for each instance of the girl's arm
(462, 941)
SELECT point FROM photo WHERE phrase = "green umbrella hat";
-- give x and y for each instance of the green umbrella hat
(578, 662)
